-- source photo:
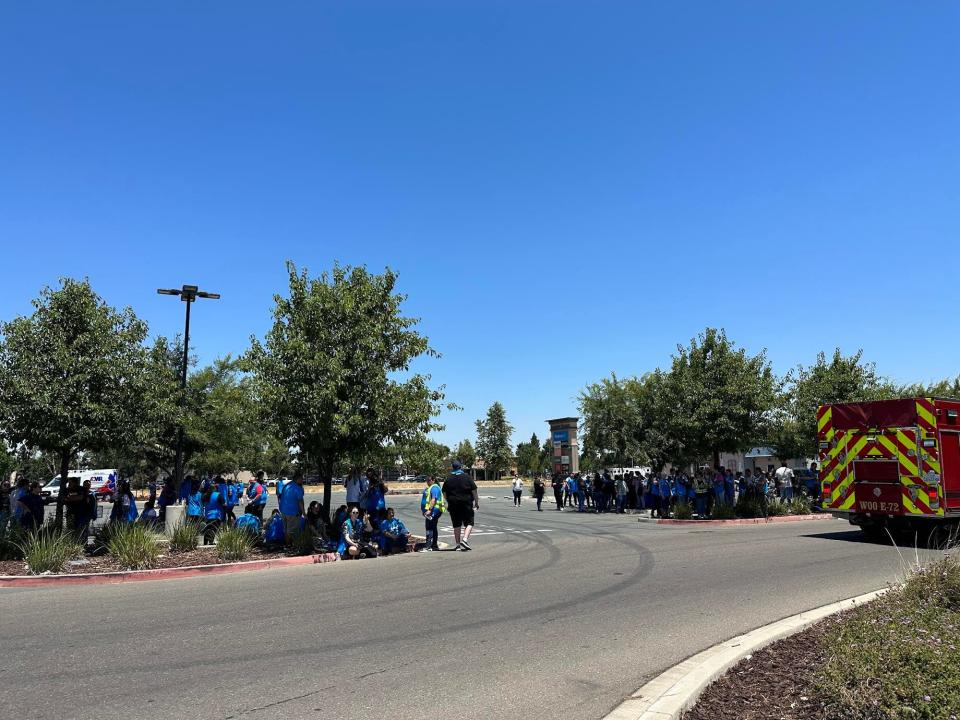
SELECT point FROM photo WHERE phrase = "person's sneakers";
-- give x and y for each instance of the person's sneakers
(464, 545)
(425, 550)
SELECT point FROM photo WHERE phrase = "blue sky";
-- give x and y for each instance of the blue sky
(566, 189)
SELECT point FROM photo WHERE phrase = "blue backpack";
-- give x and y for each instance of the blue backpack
(248, 522)
(276, 533)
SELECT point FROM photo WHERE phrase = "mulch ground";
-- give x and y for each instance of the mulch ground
(775, 683)
(106, 563)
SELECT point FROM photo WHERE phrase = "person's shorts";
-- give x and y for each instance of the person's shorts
(461, 514)
(291, 524)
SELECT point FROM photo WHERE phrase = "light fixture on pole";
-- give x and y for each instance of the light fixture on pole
(187, 294)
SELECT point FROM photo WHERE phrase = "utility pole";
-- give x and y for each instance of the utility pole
(187, 294)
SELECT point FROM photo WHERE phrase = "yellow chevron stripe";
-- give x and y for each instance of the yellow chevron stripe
(825, 419)
(849, 502)
(892, 447)
(910, 507)
(926, 415)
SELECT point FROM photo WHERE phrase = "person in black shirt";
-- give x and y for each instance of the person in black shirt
(32, 519)
(460, 491)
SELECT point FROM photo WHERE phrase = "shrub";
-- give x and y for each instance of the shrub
(898, 656)
(135, 546)
(49, 551)
(777, 508)
(302, 543)
(185, 536)
(723, 511)
(12, 536)
(683, 511)
(799, 506)
(234, 544)
(749, 508)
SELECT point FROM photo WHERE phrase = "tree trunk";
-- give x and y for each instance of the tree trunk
(65, 456)
(325, 468)
(716, 459)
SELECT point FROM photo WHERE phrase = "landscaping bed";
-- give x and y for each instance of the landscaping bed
(896, 658)
(109, 564)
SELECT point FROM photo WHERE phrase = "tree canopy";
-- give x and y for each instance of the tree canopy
(75, 375)
(493, 440)
(333, 372)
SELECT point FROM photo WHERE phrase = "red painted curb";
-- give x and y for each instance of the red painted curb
(160, 573)
(747, 521)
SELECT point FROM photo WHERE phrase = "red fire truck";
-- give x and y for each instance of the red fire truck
(891, 463)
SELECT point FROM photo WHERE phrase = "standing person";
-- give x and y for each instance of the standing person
(784, 476)
(75, 502)
(431, 505)
(92, 508)
(213, 510)
(376, 499)
(356, 487)
(719, 489)
(581, 492)
(622, 490)
(228, 491)
(5, 490)
(17, 508)
(517, 490)
(701, 489)
(31, 507)
(194, 500)
(462, 499)
(168, 497)
(665, 492)
(124, 504)
(539, 488)
(257, 495)
(152, 490)
(291, 505)
(557, 484)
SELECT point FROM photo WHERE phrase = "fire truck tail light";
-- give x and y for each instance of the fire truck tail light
(932, 494)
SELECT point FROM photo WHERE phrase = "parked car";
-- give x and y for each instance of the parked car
(406, 478)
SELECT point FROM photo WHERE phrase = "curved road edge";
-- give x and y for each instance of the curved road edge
(677, 689)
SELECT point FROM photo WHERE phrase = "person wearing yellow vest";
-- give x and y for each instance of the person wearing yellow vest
(701, 489)
(431, 504)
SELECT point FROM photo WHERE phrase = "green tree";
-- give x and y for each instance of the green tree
(328, 371)
(528, 457)
(546, 455)
(721, 397)
(465, 453)
(840, 379)
(493, 440)
(75, 376)
(423, 455)
(226, 429)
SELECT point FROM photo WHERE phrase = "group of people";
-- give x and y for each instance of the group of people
(660, 493)
(362, 527)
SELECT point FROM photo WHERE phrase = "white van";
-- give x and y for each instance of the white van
(102, 482)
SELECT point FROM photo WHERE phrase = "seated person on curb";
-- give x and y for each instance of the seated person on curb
(352, 542)
(149, 515)
(315, 519)
(394, 535)
(339, 516)
(275, 533)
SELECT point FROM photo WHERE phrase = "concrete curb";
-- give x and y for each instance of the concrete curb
(748, 521)
(111, 578)
(669, 694)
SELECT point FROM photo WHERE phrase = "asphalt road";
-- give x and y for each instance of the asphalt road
(553, 614)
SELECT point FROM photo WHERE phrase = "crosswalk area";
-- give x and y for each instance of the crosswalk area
(481, 529)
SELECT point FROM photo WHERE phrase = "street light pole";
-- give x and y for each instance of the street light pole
(187, 294)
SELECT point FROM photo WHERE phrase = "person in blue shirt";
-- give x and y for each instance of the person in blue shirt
(291, 505)
(719, 488)
(431, 505)
(666, 494)
(257, 495)
(250, 522)
(350, 536)
(228, 491)
(376, 501)
(213, 511)
(729, 485)
(194, 499)
(394, 535)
